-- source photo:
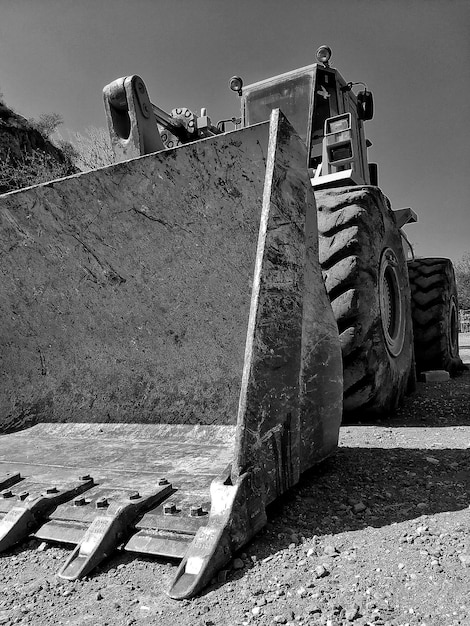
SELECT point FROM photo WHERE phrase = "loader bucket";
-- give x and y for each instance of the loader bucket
(170, 363)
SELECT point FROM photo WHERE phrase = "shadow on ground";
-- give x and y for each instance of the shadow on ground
(365, 487)
(362, 487)
(432, 404)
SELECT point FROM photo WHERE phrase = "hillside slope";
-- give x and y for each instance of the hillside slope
(26, 156)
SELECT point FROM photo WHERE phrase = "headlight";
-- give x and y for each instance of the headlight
(323, 54)
(236, 84)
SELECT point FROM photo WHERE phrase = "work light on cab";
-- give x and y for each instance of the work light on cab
(324, 55)
(236, 84)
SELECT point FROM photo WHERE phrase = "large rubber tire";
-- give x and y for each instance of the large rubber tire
(434, 309)
(366, 278)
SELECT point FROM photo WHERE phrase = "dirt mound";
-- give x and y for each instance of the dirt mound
(26, 156)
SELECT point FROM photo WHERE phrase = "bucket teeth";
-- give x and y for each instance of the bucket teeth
(108, 530)
(24, 518)
(237, 514)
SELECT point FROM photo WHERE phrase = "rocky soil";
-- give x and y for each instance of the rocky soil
(378, 534)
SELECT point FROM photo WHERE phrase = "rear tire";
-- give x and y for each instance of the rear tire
(434, 308)
(366, 279)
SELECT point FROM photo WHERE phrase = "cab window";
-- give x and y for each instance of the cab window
(291, 96)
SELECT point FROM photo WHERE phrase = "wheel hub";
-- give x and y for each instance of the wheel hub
(453, 329)
(391, 303)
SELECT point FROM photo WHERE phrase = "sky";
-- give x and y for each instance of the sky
(57, 55)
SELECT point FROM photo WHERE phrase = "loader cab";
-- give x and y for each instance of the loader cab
(316, 99)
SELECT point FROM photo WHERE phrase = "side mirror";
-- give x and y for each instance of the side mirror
(365, 105)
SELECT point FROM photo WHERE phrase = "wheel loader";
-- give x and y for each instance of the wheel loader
(177, 327)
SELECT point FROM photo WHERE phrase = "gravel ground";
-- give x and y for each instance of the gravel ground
(378, 534)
